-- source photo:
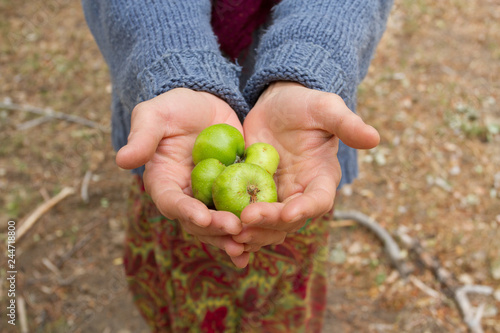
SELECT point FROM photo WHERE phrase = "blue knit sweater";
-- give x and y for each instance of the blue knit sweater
(157, 45)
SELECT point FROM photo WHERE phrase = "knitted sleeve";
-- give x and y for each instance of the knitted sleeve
(157, 45)
(324, 45)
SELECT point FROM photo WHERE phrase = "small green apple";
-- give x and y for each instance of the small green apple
(202, 179)
(241, 184)
(221, 141)
(263, 154)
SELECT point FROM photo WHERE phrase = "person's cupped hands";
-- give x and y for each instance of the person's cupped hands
(163, 131)
(305, 126)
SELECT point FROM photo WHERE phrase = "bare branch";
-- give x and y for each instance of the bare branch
(48, 112)
(51, 267)
(391, 247)
(472, 317)
(23, 321)
(33, 123)
(80, 244)
(42, 209)
(84, 190)
(427, 260)
(426, 289)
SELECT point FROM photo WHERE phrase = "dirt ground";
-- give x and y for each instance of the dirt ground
(433, 92)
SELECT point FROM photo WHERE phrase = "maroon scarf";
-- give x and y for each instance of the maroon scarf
(234, 21)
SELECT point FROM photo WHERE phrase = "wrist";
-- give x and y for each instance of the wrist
(277, 85)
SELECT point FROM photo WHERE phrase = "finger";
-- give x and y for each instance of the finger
(260, 237)
(252, 248)
(316, 200)
(331, 113)
(256, 213)
(242, 260)
(232, 248)
(173, 203)
(222, 224)
(146, 132)
(227, 222)
(266, 216)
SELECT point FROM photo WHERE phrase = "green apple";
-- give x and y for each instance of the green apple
(263, 154)
(241, 184)
(221, 141)
(203, 177)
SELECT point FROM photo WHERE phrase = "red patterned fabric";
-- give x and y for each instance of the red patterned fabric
(234, 21)
(182, 285)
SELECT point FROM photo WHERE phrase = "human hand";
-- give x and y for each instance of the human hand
(305, 126)
(163, 131)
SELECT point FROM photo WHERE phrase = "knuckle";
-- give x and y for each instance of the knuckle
(327, 100)
(139, 108)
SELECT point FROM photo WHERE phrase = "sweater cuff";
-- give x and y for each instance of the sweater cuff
(201, 70)
(306, 63)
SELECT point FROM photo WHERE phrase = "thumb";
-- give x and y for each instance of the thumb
(355, 133)
(145, 134)
(339, 120)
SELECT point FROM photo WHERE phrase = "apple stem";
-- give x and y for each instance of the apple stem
(253, 190)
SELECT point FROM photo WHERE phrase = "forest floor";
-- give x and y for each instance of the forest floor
(433, 92)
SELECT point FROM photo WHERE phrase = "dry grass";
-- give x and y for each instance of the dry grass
(433, 92)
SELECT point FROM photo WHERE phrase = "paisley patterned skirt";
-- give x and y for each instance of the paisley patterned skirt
(182, 285)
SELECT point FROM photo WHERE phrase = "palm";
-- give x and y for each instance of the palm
(172, 160)
(162, 136)
(305, 154)
(305, 125)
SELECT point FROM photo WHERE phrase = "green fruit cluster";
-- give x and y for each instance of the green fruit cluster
(228, 177)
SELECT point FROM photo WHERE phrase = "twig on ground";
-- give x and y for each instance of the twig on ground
(48, 112)
(33, 122)
(84, 190)
(472, 317)
(391, 247)
(23, 321)
(49, 278)
(42, 209)
(443, 276)
(78, 245)
(45, 194)
(426, 289)
(51, 267)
